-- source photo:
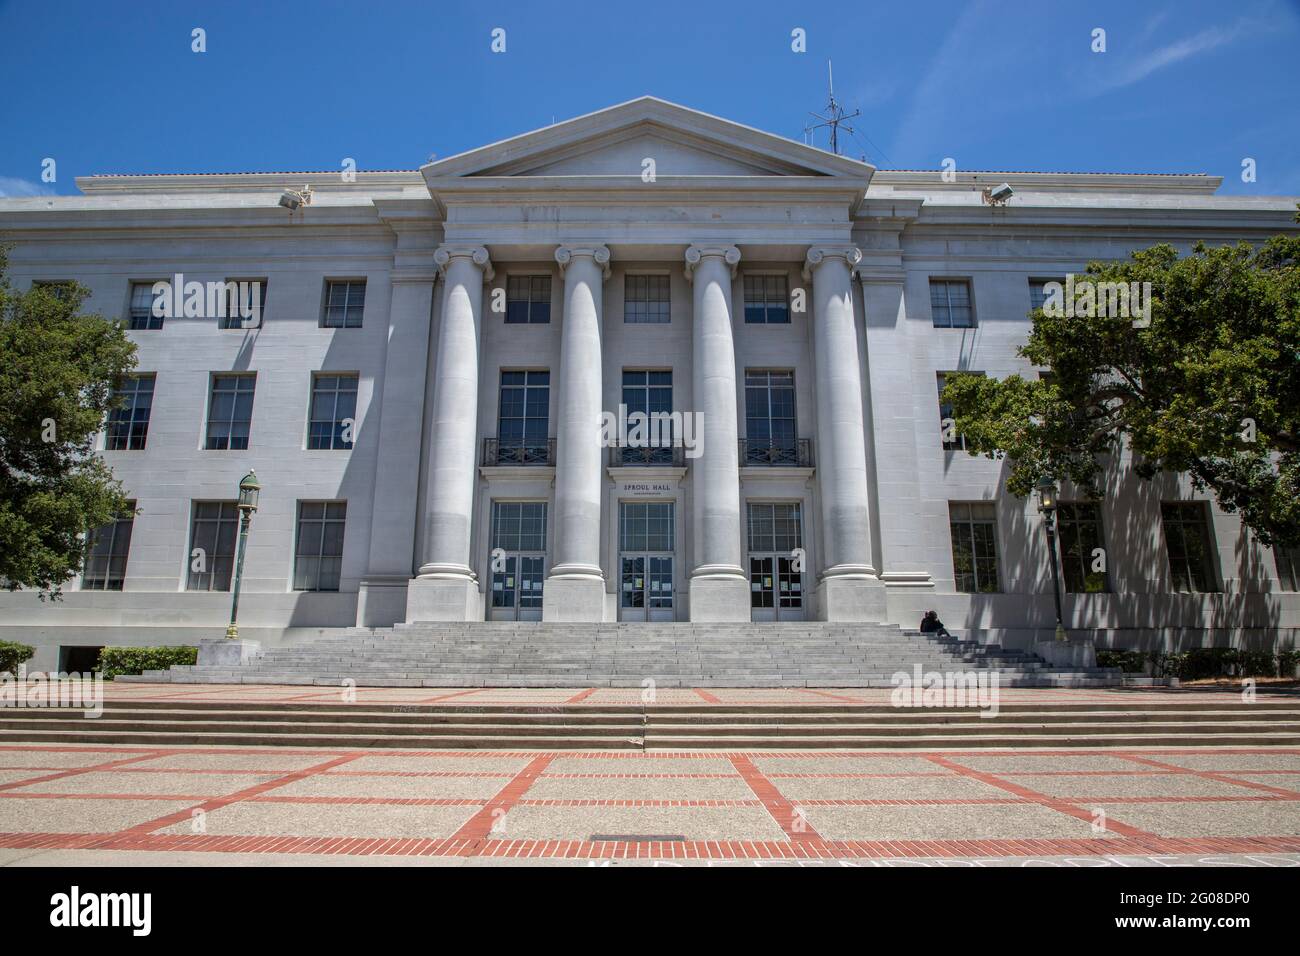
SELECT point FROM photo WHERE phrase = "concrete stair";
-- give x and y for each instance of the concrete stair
(807, 654)
(1184, 722)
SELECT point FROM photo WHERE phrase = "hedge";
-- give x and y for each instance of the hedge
(1203, 662)
(11, 655)
(115, 661)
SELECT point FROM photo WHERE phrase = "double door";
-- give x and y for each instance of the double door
(647, 582)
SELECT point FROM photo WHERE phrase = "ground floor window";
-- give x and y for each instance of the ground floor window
(1078, 529)
(318, 553)
(1189, 546)
(106, 552)
(974, 530)
(214, 530)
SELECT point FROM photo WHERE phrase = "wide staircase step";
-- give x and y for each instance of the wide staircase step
(1184, 721)
(506, 654)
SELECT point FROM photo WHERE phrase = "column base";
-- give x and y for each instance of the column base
(851, 597)
(573, 597)
(720, 598)
(443, 598)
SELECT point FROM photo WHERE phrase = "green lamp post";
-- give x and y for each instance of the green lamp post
(1047, 506)
(249, 489)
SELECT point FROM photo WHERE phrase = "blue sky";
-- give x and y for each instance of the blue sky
(1183, 86)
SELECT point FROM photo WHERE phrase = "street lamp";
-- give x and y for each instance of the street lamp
(1047, 505)
(249, 489)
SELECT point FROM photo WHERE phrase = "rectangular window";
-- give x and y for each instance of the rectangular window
(1288, 567)
(128, 423)
(649, 392)
(950, 304)
(528, 300)
(646, 526)
(213, 534)
(333, 410)
(140, 315)
(1078, 529)
(974, 531)
(318, 552)
(775, 527)
(524, 417)
(1038, 292)
(519, 525)
(230, 411)
(106, 552)
(766, 300)
(952, 439)
(1188, 543)
(645, 299)
(345, 301)
(245, 304)
(59, 288)
(770, 433)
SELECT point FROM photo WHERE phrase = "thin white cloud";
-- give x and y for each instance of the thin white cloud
(1141, 67)
(11, 186)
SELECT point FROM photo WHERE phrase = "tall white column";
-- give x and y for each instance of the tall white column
(575, 588)
(719, 587)
(446, 588)
(849, 589)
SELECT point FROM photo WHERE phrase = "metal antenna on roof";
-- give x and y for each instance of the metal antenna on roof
(835, 115)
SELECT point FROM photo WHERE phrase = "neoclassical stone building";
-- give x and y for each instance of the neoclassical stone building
(424, 393)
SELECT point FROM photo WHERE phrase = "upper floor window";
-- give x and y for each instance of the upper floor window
(230, 411)
(333, 410)
(1189, 546)
(528, 300)
(214, 528)
(1038, 291)
(128, 423)
(974, 530)
(1083, 554)
(767, 300)
(523, 419)
(245, 304)
(1288, 567)
(345, 301)
(952, 439)
(770, 429)
(140, 317)
(649, 392)
(950, 304)
(107, 548)
(645, 299)
(59, 288)
(318, 552)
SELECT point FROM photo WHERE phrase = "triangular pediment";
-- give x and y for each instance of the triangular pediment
(615, 142)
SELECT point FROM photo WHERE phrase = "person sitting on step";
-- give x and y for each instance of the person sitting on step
(930, 624)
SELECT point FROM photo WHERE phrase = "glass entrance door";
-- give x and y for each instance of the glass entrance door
(775, 569)
(647, 588)
(518, 560)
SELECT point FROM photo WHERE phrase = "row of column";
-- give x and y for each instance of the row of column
(447, 588)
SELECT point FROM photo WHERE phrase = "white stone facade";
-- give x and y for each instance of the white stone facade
(644, 189)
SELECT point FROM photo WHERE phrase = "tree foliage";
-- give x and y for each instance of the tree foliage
(1210, 388)
(58, 369)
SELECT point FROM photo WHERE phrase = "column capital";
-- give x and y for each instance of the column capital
(600, 253)
(851, 255)
(729, 254)
(478, 254)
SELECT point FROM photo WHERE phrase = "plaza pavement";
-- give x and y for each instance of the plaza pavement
(66, 805)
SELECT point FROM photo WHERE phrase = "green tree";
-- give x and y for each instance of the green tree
(57, 373)
(1211, 387)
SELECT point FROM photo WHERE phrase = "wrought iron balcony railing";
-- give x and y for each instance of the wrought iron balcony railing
(497, 452)
(626, 456)
(794, 454)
